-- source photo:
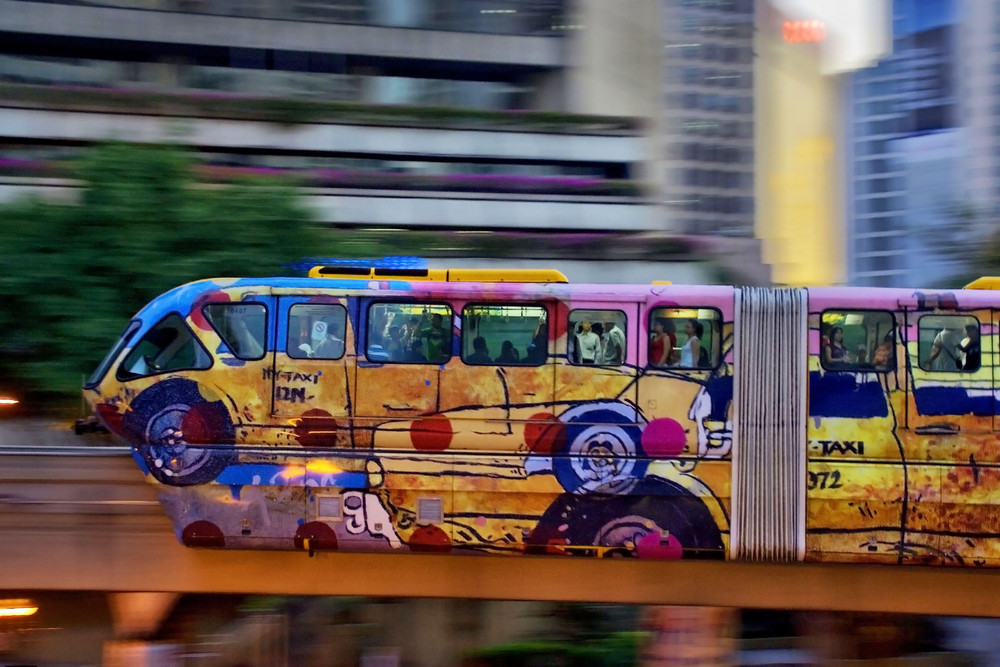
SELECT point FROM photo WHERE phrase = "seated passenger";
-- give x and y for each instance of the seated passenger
(835, 352)
(480, 354)
(508, 355)
(882, 359)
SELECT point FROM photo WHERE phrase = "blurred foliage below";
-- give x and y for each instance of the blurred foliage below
(73, 275)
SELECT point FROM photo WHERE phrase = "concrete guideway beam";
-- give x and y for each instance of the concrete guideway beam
(153, 560)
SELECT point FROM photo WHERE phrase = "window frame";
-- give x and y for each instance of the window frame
(624, 334)
(288, 330)
(962, 316)
(204, 312)
(514, 304)
(855, 367)
(718, 332)
(99, 373)
(137, 376)
(398, 302)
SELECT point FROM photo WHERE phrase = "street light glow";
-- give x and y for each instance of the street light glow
(17, 607)
(8, 401)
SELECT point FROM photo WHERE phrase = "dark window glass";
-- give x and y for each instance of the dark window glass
(167, 347)
(857, 340)
(409, 333)
(316, 331)
(505, 335)
(684, 337)
(949, 343)
(241, 326)
(596, 337)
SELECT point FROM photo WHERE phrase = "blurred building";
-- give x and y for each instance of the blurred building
(799, 189)
(708, 117)
(805, 52)
(977, 93)
(249, 86)
(903, 112)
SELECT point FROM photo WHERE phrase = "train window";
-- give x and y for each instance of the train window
(109, 359)
(505, 335)
(410, 333)
(169, 346)
(241, 325)
(857, 340)
(596, 337)
(948, 343)
(685, 337)
(316, 331)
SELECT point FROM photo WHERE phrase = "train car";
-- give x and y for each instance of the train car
(511, 412)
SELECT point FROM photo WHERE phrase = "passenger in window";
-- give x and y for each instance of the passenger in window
(662, 343)
(598, 328)
(883, 354)
(944, 353)
(835, 352)
(537, 351)
(969, 348)
(245, 342)
(691, 353)
(508, 355)
(331, 346)
(480, 353)
(436, 336)
(572, 347)
(614, 344)
(411, 330)
(415, 354)
(588, 344)
(394, 345)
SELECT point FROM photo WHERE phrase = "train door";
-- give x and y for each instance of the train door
(951, 387)
(245, 331)
(313, 368)
(405, 348)
(686, 386)
(502, 385)
(597, 363)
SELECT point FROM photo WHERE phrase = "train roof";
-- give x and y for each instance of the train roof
(526, 283)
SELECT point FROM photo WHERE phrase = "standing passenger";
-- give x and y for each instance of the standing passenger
(691, 352)
(588, 344)
(614, 344)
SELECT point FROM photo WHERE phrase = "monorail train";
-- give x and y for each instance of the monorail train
(510, 412)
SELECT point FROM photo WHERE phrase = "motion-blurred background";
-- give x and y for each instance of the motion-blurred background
(145, 143)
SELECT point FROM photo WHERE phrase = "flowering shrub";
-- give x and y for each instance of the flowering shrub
(292, 111)
(369, 179)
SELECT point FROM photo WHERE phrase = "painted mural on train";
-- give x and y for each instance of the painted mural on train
(519, 414)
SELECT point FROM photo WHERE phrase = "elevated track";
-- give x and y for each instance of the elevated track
(83, 518)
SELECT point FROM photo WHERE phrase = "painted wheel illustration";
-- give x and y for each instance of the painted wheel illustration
(602, 450)
(168, 420)
(660, 520)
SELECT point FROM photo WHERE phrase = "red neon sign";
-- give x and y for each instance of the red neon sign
(797, 32)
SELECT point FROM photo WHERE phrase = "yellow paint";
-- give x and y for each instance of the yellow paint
(442, 275)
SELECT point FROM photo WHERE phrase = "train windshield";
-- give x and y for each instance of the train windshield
(103, 367)
(169, 346)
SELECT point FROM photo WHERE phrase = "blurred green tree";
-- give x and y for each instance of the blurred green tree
(72, 275)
